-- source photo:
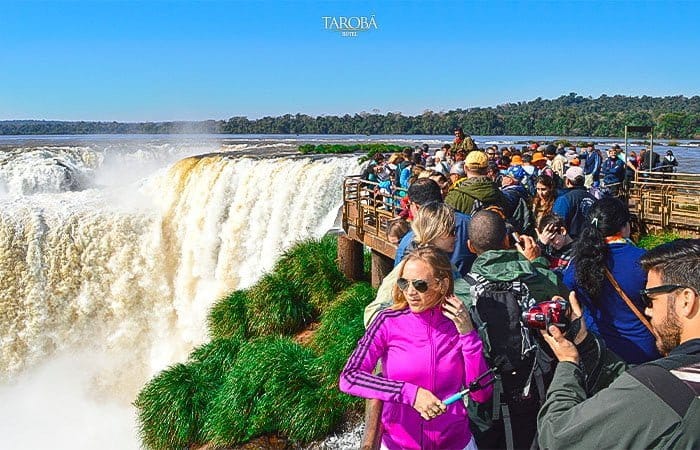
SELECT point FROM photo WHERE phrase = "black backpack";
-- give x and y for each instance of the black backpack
(511, 348)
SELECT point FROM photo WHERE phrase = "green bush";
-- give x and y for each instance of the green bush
(342, 323)
(367, 263)
(171, 406)
(311, 269)
(650, 241)
(341, 327)
(213, 360)
(169, 409)
(269, 375)
(232, 390)
(275, 308)
(227, 318)
(313, 415)
(371, 149)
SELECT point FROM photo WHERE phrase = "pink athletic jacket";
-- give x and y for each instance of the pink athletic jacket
(417, 350)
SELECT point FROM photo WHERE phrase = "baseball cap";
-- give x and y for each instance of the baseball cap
(476, 159)
(458, 168)
(516, 160)
(515, 172)
(573, 172)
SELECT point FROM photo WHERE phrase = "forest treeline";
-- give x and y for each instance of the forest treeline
(675, 117)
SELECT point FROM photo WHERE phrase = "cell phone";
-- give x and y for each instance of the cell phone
(516, 239)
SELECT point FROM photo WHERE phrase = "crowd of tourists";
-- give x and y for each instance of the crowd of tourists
(519, 313)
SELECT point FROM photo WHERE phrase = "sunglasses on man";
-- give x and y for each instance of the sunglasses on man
(647, 294)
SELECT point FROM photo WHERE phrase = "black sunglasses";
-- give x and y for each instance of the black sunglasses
(419, 285)
(646, 294)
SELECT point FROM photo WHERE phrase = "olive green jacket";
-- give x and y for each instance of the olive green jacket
(463, 196)
(625, 415)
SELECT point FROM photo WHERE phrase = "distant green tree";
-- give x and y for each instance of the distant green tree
(675, 117)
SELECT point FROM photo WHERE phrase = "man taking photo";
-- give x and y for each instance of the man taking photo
(653, 405)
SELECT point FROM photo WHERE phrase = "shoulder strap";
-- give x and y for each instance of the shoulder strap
(673, 391)
(629, 303)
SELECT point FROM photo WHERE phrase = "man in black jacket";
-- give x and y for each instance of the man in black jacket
(653, 405)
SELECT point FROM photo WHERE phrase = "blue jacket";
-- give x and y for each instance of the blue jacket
(593, 163)
(613, 171)
(572, 206)
(462, 258)
(611, 318)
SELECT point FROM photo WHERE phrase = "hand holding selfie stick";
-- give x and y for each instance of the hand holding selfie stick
(473, 387)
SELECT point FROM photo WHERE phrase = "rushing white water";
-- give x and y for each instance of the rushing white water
(100, 288)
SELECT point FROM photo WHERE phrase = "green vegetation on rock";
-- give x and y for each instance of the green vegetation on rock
(170, 408)
(650, 241)
(349, 148)
(227, 318)
(276, 308)
(253, 378)
(312, 270)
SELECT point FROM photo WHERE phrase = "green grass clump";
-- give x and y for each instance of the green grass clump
(341, 327)
(650, 241)
(275, 307)
(312, 270)
(213, 360)
(170, 409)
(268, 377)
(234, 389)
(312, 415)
(227, 318)
(342, 323)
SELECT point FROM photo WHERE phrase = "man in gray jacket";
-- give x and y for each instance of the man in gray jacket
(653, 405)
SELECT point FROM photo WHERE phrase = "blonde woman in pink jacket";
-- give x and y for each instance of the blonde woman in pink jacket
(429, 350)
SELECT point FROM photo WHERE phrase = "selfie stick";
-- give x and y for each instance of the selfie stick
(473, 387)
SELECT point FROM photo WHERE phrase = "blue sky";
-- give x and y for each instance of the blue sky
(187, 60)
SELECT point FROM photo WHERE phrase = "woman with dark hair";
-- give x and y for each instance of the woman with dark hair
(604, 256)
(545, 194)
(429, 350)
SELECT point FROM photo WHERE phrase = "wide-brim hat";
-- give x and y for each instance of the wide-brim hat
(538, 156)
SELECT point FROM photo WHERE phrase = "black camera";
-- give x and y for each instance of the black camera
(542, 315)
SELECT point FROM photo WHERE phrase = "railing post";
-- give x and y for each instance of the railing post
(350, 257)
(381, 266)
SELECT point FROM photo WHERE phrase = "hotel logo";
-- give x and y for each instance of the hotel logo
(349, 26)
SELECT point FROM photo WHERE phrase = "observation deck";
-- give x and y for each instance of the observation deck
(658, 201)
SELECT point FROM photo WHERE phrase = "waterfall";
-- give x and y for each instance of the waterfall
(102, 288)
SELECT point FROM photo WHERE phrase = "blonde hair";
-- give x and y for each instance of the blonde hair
(440, 264)
(395, 158)
(433, 220)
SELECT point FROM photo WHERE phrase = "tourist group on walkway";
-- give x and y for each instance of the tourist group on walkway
(520, 314)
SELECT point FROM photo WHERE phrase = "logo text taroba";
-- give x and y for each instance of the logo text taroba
(349, 25)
